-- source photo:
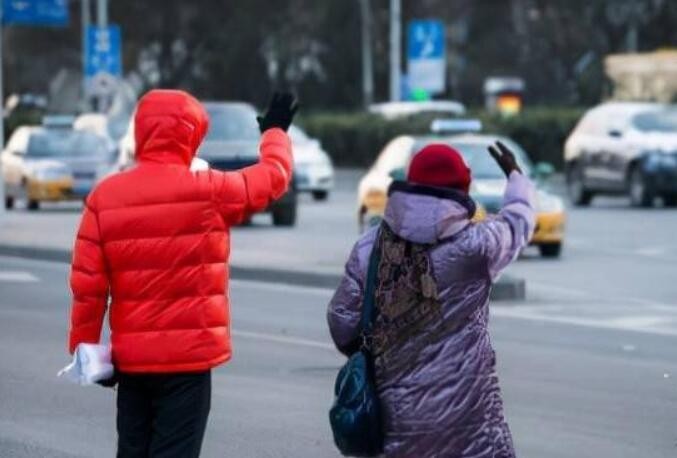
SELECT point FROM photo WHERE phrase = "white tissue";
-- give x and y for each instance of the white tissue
(91, 363)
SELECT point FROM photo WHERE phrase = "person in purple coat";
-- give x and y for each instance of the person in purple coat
(434, 366)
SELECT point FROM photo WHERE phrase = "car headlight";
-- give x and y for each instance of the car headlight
(51, 173)
(547, 203)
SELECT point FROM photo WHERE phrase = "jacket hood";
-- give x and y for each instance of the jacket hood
(426, 214)
(169, 126)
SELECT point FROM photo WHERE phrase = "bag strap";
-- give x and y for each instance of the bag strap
(369, 299)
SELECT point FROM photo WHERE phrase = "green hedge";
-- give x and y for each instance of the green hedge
(354, 139)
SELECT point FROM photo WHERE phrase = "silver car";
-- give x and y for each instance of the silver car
(624, 148)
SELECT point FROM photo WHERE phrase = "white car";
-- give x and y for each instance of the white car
(395, 110)
(312, 166)
(624, 148)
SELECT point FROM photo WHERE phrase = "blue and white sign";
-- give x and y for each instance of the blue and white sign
(426, 56)
(103, 58)
(35, 12)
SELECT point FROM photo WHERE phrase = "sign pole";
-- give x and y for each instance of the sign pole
(102, 13)
(367, 61)
(102, 23)
(395, 49)
(2, 89)
(86, 18)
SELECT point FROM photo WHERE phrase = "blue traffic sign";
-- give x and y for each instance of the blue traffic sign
(426, 57)
(35, 12)
(103, 51)
(426, 40)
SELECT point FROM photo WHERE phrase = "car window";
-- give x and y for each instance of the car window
(232, 123)
(656, 121)
(477, 157)
(58, 143)
(395, 155)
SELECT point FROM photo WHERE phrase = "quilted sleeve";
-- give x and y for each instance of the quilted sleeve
(240, 194)
(345, 308)
(505, 235)
(89, 283)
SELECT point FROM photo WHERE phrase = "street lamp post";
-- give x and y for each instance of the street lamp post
(367, 61)
(395, 49)
(85, 20)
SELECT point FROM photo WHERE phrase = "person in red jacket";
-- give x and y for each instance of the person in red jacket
(153, 247)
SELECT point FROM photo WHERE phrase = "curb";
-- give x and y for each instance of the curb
(507, 288)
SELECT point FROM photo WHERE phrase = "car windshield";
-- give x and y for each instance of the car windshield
(232, 123)
(656, 121)
(480, 161)
(60, 143)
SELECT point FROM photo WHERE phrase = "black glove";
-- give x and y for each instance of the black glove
(109, 382)
(504, 158)
(281, 111)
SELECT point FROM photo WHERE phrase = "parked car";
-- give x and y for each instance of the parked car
(487, 186)
(624, 148)
(313, 169)
(232, 143)
(53, 162)
(101, 124)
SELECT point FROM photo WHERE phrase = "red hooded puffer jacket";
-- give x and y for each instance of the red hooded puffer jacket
(156, 240)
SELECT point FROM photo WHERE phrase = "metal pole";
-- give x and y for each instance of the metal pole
(102, 23)
(367, 61)
(395, 49)
(2, 92)
(85, 19)
(102, 13)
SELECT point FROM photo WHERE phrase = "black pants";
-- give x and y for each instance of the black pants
(162, 415)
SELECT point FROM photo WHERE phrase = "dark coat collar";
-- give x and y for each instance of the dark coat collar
(434, 191)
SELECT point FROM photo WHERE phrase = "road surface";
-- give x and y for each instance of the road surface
(571, 389)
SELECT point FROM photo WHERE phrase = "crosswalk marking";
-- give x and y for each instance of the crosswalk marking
(17, 276)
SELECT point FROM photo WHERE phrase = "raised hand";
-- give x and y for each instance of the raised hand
(504, 158)
(280, 113)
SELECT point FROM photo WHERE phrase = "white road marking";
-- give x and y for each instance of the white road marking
(278, 338)
(282, 287)
(639, 323)
(17, 276)
(652, 251)
(591, 295)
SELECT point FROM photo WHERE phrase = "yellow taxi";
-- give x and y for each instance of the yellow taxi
(486, 189)
(51, 163)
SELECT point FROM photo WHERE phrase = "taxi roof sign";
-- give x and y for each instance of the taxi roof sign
(455, 125)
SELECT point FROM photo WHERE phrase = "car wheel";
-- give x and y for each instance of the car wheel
(284, 215)
(640, 194)
(670, 200)
(320, 195)
(9, 202)
(33, 204)
(550, 250)
(578, 193)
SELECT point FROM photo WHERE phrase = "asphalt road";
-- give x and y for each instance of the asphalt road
(571, 389)
(617, 267)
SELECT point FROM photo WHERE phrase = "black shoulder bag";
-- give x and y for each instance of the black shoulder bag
(355, 416)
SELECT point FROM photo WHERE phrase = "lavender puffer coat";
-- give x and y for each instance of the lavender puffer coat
(439, 388)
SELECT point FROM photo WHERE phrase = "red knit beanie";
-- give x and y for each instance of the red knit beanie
(440, 165)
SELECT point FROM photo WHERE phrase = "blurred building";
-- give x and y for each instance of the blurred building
(643, 76)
